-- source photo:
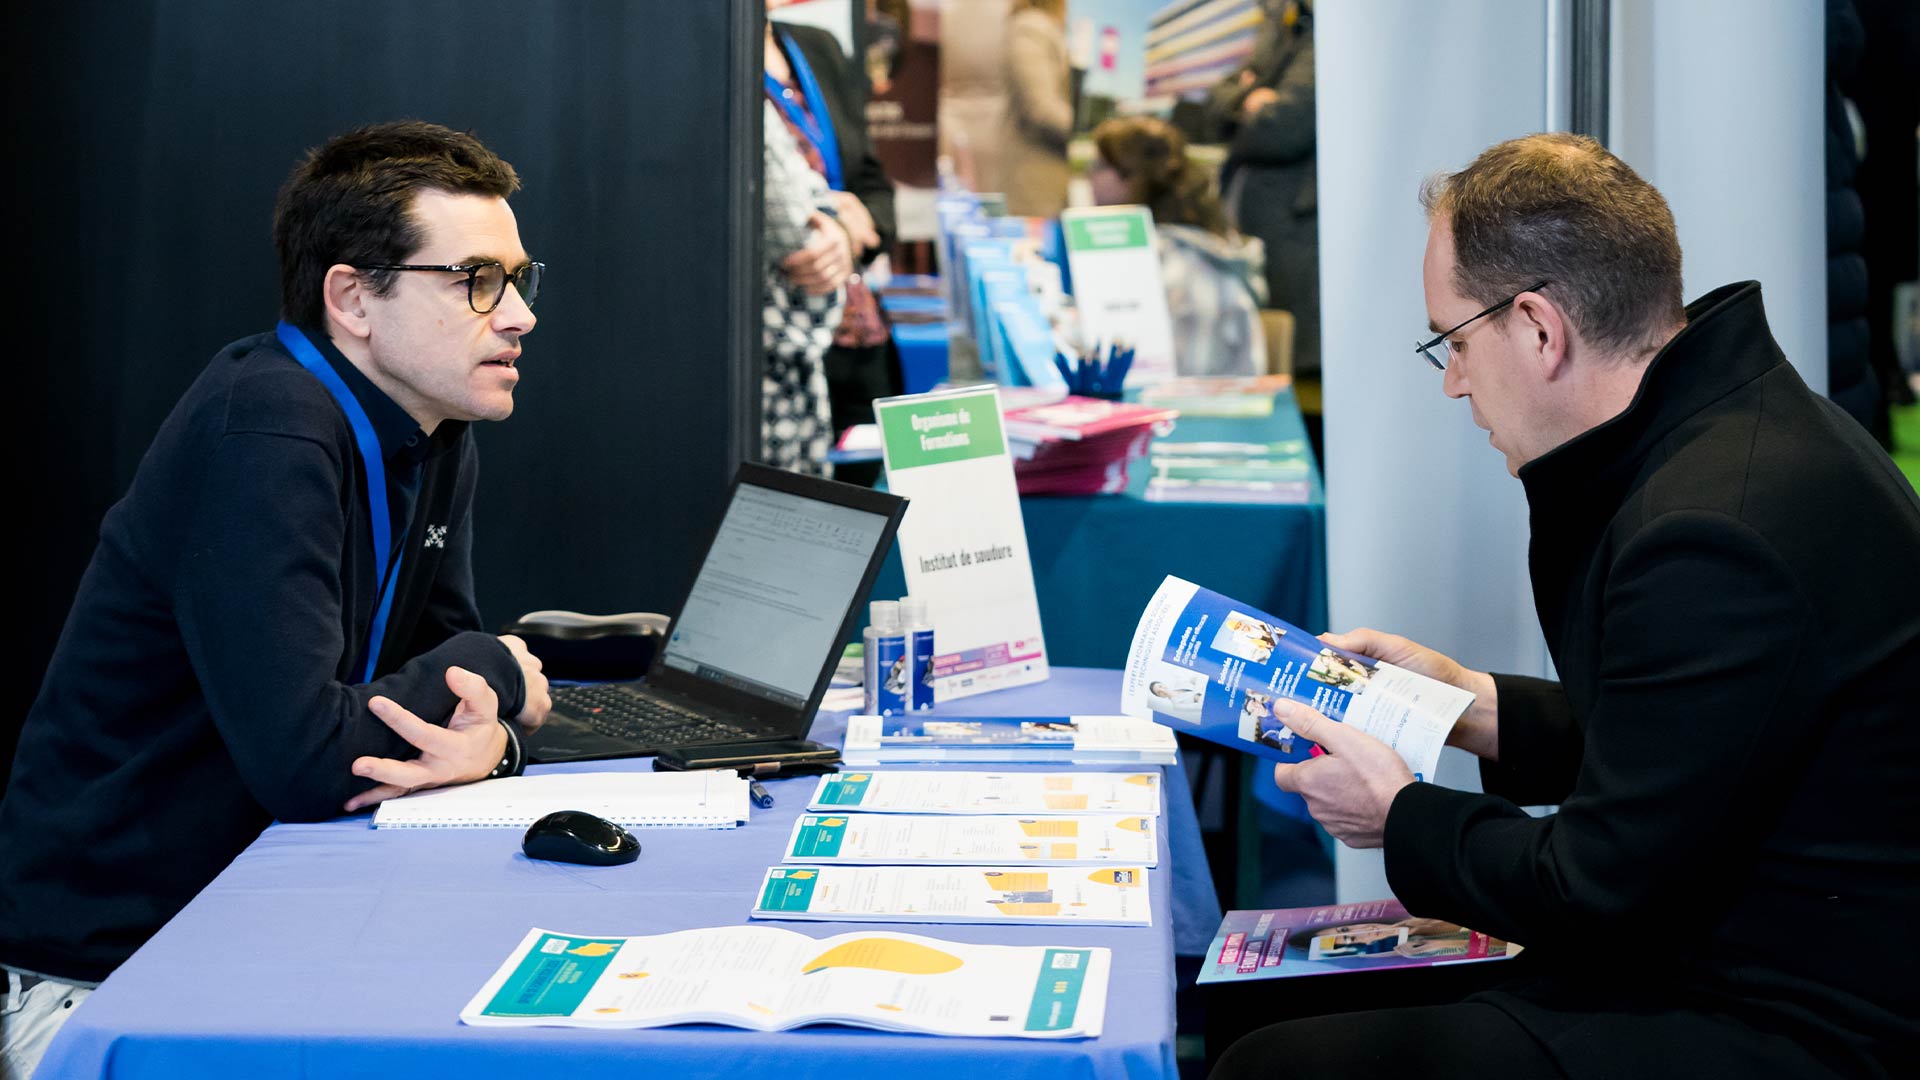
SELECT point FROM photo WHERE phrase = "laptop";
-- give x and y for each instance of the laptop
(751, 650)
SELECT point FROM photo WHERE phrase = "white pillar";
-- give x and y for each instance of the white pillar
(1426, 532)
(1719, 104)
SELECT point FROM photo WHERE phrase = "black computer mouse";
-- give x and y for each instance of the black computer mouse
(576, 836)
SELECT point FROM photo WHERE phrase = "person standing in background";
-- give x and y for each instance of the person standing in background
(1033, 156)
(820, 95)
(1213, 276)
(973, 93)
(808, 258)
(1264, 113)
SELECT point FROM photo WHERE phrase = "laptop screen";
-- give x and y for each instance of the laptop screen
(773, 593)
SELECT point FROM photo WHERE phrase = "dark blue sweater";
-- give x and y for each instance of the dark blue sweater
(206, 681)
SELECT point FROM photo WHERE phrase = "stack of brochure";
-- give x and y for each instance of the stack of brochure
(1117, 740)
(938, 846)
(1230, 472)
(1231, 396)
(1080, 445)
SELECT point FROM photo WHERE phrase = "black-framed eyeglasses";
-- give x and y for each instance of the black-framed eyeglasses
(487, 281)
(1439, 362)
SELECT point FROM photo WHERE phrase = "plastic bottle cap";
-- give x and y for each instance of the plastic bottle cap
(884, 614)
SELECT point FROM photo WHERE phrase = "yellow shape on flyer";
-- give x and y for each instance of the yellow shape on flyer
(1044, 827)
(1139, 780)
(1125, 878)
(1132, 824)
(1015, 882)
(885, 954)
(635, 974)
(594, 948)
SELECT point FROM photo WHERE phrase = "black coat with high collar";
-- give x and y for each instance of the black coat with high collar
(1728, 577)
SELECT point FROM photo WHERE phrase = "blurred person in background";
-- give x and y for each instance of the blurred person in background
(1033, 152)
(819, 95)
(1215, 285)
(1264, 113)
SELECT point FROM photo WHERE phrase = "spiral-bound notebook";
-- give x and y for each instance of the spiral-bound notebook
(694, 800)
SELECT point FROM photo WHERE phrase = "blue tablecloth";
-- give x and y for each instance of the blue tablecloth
(338, 950)
(1098, 558)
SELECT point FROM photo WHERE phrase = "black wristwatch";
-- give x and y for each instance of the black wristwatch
(515, 761)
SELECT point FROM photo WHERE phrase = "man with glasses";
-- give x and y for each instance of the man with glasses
(1727, 571)
(279, 621)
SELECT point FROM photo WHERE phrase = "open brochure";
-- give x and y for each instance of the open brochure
(1377, 935)
(1089, 896)
(879, 740)
(950, 791)
(957, 840)
(769, 979)
(1211, 666)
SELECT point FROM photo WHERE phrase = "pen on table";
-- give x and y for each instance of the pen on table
(762, 798)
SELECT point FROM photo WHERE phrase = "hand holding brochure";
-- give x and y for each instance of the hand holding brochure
(1210, 666)
(958, 840)
(1089, 896)
(945, 791)
(769, 979)
(1376, 935)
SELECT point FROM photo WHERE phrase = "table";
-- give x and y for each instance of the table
(338, 950)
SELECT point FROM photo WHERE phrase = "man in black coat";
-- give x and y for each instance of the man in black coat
(1727, 571)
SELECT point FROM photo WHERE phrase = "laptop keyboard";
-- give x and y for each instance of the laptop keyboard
(616, 712)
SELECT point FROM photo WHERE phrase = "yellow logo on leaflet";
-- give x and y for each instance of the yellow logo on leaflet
(885, 954)
(834, 822)
(594, 948)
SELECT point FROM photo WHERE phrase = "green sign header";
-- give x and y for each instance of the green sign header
(940, 429)
(1105, 232)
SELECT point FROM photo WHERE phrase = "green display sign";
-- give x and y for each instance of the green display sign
(940, 429)
(1106, 232)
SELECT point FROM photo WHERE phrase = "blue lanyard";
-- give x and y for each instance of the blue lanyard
(375, 470)
(815, 120)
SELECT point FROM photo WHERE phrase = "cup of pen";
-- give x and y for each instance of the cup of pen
(1101, 372)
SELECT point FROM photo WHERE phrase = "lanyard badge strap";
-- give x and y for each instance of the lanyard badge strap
(815, 119)
(373, 467)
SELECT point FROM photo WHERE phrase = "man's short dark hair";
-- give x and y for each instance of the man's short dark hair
(350, 202)
(1562, 209)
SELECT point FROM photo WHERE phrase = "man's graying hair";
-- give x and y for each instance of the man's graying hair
(1560, 208)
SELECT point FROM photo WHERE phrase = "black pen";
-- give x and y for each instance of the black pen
(762, 798)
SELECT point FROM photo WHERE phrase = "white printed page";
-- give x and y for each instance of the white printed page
(960, 840)
(770, 979)
(948, 791)
(1095, 896)
(704, 799)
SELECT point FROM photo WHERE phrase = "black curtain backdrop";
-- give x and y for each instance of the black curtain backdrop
(147, 142)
